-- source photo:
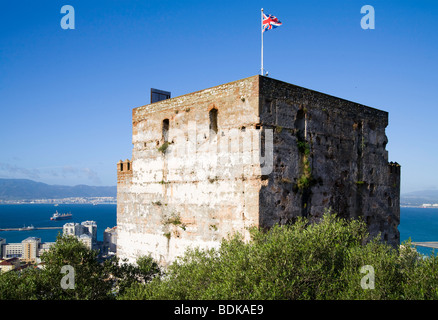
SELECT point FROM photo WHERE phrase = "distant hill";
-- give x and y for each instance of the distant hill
(24, 189)
(419, 197)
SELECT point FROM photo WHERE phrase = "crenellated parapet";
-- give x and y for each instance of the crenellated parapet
(394, 167)
(124, 166)
(124, 172)
(394, 181)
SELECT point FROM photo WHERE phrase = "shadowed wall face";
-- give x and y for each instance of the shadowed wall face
(328, 153)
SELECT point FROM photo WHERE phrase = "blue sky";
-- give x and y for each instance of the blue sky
(66, 96)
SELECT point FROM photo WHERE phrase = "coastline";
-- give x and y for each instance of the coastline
(419, 207)
(70, 200)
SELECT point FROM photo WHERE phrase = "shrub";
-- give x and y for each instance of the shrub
(321, 260)
(93, 280)
(309, 259)
(163, 147)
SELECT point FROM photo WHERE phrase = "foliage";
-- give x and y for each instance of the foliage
(125, 274)
(92, 279)
(278, 129)
(163, 147)
(300, 261)
(305, 260)
(174, 219)
(303, 147)
(24, 285)
(305, 179)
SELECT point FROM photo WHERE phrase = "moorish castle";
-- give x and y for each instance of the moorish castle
(253, 152)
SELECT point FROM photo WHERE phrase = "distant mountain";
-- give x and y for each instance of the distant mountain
(419, 197)
(24, 189)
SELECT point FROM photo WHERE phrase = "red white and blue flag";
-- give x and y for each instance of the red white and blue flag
(270, 22)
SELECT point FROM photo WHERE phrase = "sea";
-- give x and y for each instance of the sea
(418, 224)
(38, 215)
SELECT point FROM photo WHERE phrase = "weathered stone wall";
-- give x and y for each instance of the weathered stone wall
(196, 173)
(328, 153)
(198, 187)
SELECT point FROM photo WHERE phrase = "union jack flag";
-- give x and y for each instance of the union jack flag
(270, 22)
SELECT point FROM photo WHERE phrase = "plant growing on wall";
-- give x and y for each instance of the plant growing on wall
(305, 180)
(174, 219)
(163, 147)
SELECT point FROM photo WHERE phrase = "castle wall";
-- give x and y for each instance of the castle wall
(198, 187)
(342, 164)
(253, 152)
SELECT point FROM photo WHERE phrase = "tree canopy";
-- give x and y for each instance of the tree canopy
(331, 259)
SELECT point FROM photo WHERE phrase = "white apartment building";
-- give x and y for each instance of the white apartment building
(12, 250)
(87, 240)
(91, 228)
(72, 229)
(86, 232)
(28, 250)
(110, 240)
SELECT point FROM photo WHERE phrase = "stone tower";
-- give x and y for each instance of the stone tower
(253, 152)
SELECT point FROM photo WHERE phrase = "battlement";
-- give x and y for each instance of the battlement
(394, 168)
(124, 166)
(124, 174)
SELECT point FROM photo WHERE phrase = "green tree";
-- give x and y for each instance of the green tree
(90, 279)
(420, 277)
(318, 260)
(24, 285)
(306, 260)
(124, 275)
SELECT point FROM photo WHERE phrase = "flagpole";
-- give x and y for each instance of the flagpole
(262, 43)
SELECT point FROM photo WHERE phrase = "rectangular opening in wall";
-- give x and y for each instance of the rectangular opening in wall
(213, 122)
(166, 130)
